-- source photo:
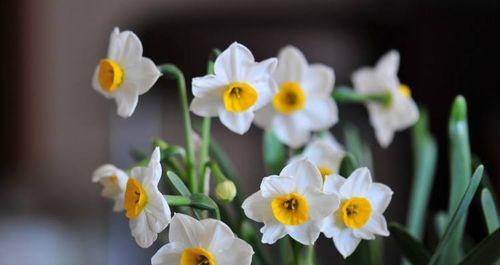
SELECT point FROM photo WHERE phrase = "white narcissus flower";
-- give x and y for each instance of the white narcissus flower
(401, 112)
(205, 242)
(145, 206)
(124, 74)
(303, 103)
(238, 88)
(325, 153)
(291, 203)
(359, 216)
(113, 181)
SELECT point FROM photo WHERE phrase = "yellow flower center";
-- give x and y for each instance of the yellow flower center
(355, 212)
(289, 98)
(405, 90)
(290, 209)
(239, 97)
(325, 172)
(110, 75)
(135, 198)
(197, 256)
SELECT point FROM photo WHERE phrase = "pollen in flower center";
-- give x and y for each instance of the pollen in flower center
(289, 98)
(239, 97)
(197, 256)
(325, 171)
(404, 90)
(110, 75)
(290, 209)
(135, 198)
(355, 212)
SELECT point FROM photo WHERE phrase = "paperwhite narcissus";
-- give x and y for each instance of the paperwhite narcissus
(291, 203)
(303, 103)
(205, 242)
(145, 206)
(124, 74)
(325, 153)
(401, 112)
(359, 216)
(113, 181)
(238, 88)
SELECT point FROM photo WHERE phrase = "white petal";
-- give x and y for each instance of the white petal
(208, 85)
(237, 252)
(291, 65)
(154, 168)
(126, 101)
(264, 116)
(257, 208)
(273, 186)
(363, 234)
(365, 81)
(379, 196)
(321, 113)
(333, 184)
(305, 174)
(331, 226)
(379, 119)
(185, 229)
(141, 231)
(318, 80)
(358, 184)
(324, 153)
(236, 122)
(157, 210)
(271, 232)
(307, 233)
(388, 64)
(231, 63)
(266, 90)
(377, 225)
(346, 242)
(142, 75)
(291, 130)
(206, 106)
(404, 113)
(169, 254)
(261, 71)
(321, 205)
(131, 51)
(115, 44)
(217, 236)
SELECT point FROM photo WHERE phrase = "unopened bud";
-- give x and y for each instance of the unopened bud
(225, 191)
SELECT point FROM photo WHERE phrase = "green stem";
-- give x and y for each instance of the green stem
(173, 72)
(346, 95)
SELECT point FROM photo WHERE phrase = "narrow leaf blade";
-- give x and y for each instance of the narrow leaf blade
(412, 249)
(486, 252)
(178, 184)
(458, 215)
(274, 153)
(489, 210)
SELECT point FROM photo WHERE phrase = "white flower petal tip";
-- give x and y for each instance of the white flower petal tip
(145, 206)
(124, 74)
(325, 153)
(209, 240)
(113, 181)
(402, 111)
(291, 203)
(303, 103)
(347, 227)
(239, 87)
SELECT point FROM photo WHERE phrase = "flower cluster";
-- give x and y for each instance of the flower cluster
(285, 95)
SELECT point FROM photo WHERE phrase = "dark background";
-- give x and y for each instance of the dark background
(55, 130)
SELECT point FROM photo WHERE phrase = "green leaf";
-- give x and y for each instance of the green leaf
(425, 158)
(440, 221)
(348, 165)
(286, 251)
(225, 163)
(486, 252)
(458, 215)
(203, 202)
(412, 249)
(178, 184)
(489, 210)
(357, 148)
(274, 153)
(460, 170)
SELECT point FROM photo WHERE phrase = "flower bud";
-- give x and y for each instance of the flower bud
(160, 143)
(225, 191)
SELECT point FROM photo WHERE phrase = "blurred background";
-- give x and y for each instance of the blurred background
(55, 129)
